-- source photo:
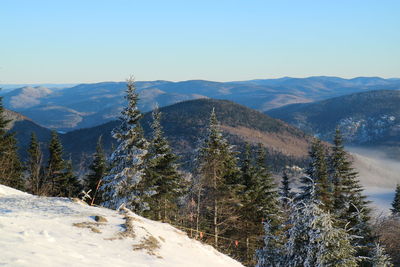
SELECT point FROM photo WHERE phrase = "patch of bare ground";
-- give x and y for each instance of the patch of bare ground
(282, 142)
(150, 244)
(90, 225)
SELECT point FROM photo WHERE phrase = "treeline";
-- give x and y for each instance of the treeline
(234, 205)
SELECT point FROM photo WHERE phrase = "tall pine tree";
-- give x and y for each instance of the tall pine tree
(162, 174)
(349, 203)
(259, 202)
(56, 167)
(121, 185)
(218, 173)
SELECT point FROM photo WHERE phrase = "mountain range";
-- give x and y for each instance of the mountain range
(88, 105)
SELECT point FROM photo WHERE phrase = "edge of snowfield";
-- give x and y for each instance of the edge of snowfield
(40, 231)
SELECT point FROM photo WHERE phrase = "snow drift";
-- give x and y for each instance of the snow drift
(44, 231)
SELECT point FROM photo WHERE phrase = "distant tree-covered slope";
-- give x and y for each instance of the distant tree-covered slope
(184, 125)
(368, 118)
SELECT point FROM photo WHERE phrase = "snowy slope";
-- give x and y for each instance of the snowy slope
(41, 231)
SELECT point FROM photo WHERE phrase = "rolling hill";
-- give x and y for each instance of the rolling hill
(367, 119)
(88, 105)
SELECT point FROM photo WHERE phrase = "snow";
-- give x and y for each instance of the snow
(39, 231)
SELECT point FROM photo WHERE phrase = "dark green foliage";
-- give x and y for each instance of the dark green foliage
(35, 182)
(10, 165)
(162, 175)
(349, 203)
(317, 173)
(72, 186)
(259, 199)
(55, 166)
(217, 171)
(285, 191)
(59, 173)
(396, 202)
(264, 191)
(97, 170)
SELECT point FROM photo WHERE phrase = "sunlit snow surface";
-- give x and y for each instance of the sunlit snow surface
(39, 231)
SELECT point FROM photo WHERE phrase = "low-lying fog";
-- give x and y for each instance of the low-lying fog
(378, 174)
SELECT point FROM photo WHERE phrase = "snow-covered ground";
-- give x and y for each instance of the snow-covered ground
(379, 176)
(41, 231)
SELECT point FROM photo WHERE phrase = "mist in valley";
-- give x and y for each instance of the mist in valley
(379, 175)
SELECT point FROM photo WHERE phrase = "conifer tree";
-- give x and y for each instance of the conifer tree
(218, 173)
(259, 199)
(10, 165)
(396, 202)
(285, 193)
(35, 183)
(56, 167)
(271, 254)
(317, 173)
(121, 185)
(314, 239)
(97, 170)
(72, 186)
(264, 191)
(162, 174)
(380, 258)
(349, 203)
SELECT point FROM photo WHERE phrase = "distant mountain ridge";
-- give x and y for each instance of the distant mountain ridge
(88, 105)
(368, 118)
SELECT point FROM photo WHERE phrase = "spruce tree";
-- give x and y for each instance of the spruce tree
(285, 191)
(162, 174)
(35, 183)
(396, 202)
(349, 203)
(218, 173)
(72, 185)
(379, 257)
(259, 199)
(121, 185)
(56, 167)
(10, 165)
(314, 239)
(271, 254)
(264, 191)
(97, 170)
(317, 173)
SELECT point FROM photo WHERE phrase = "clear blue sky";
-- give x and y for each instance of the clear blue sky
(93, 40)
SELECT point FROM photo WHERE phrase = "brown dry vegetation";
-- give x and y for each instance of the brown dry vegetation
(388, 231)
(284, 143)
